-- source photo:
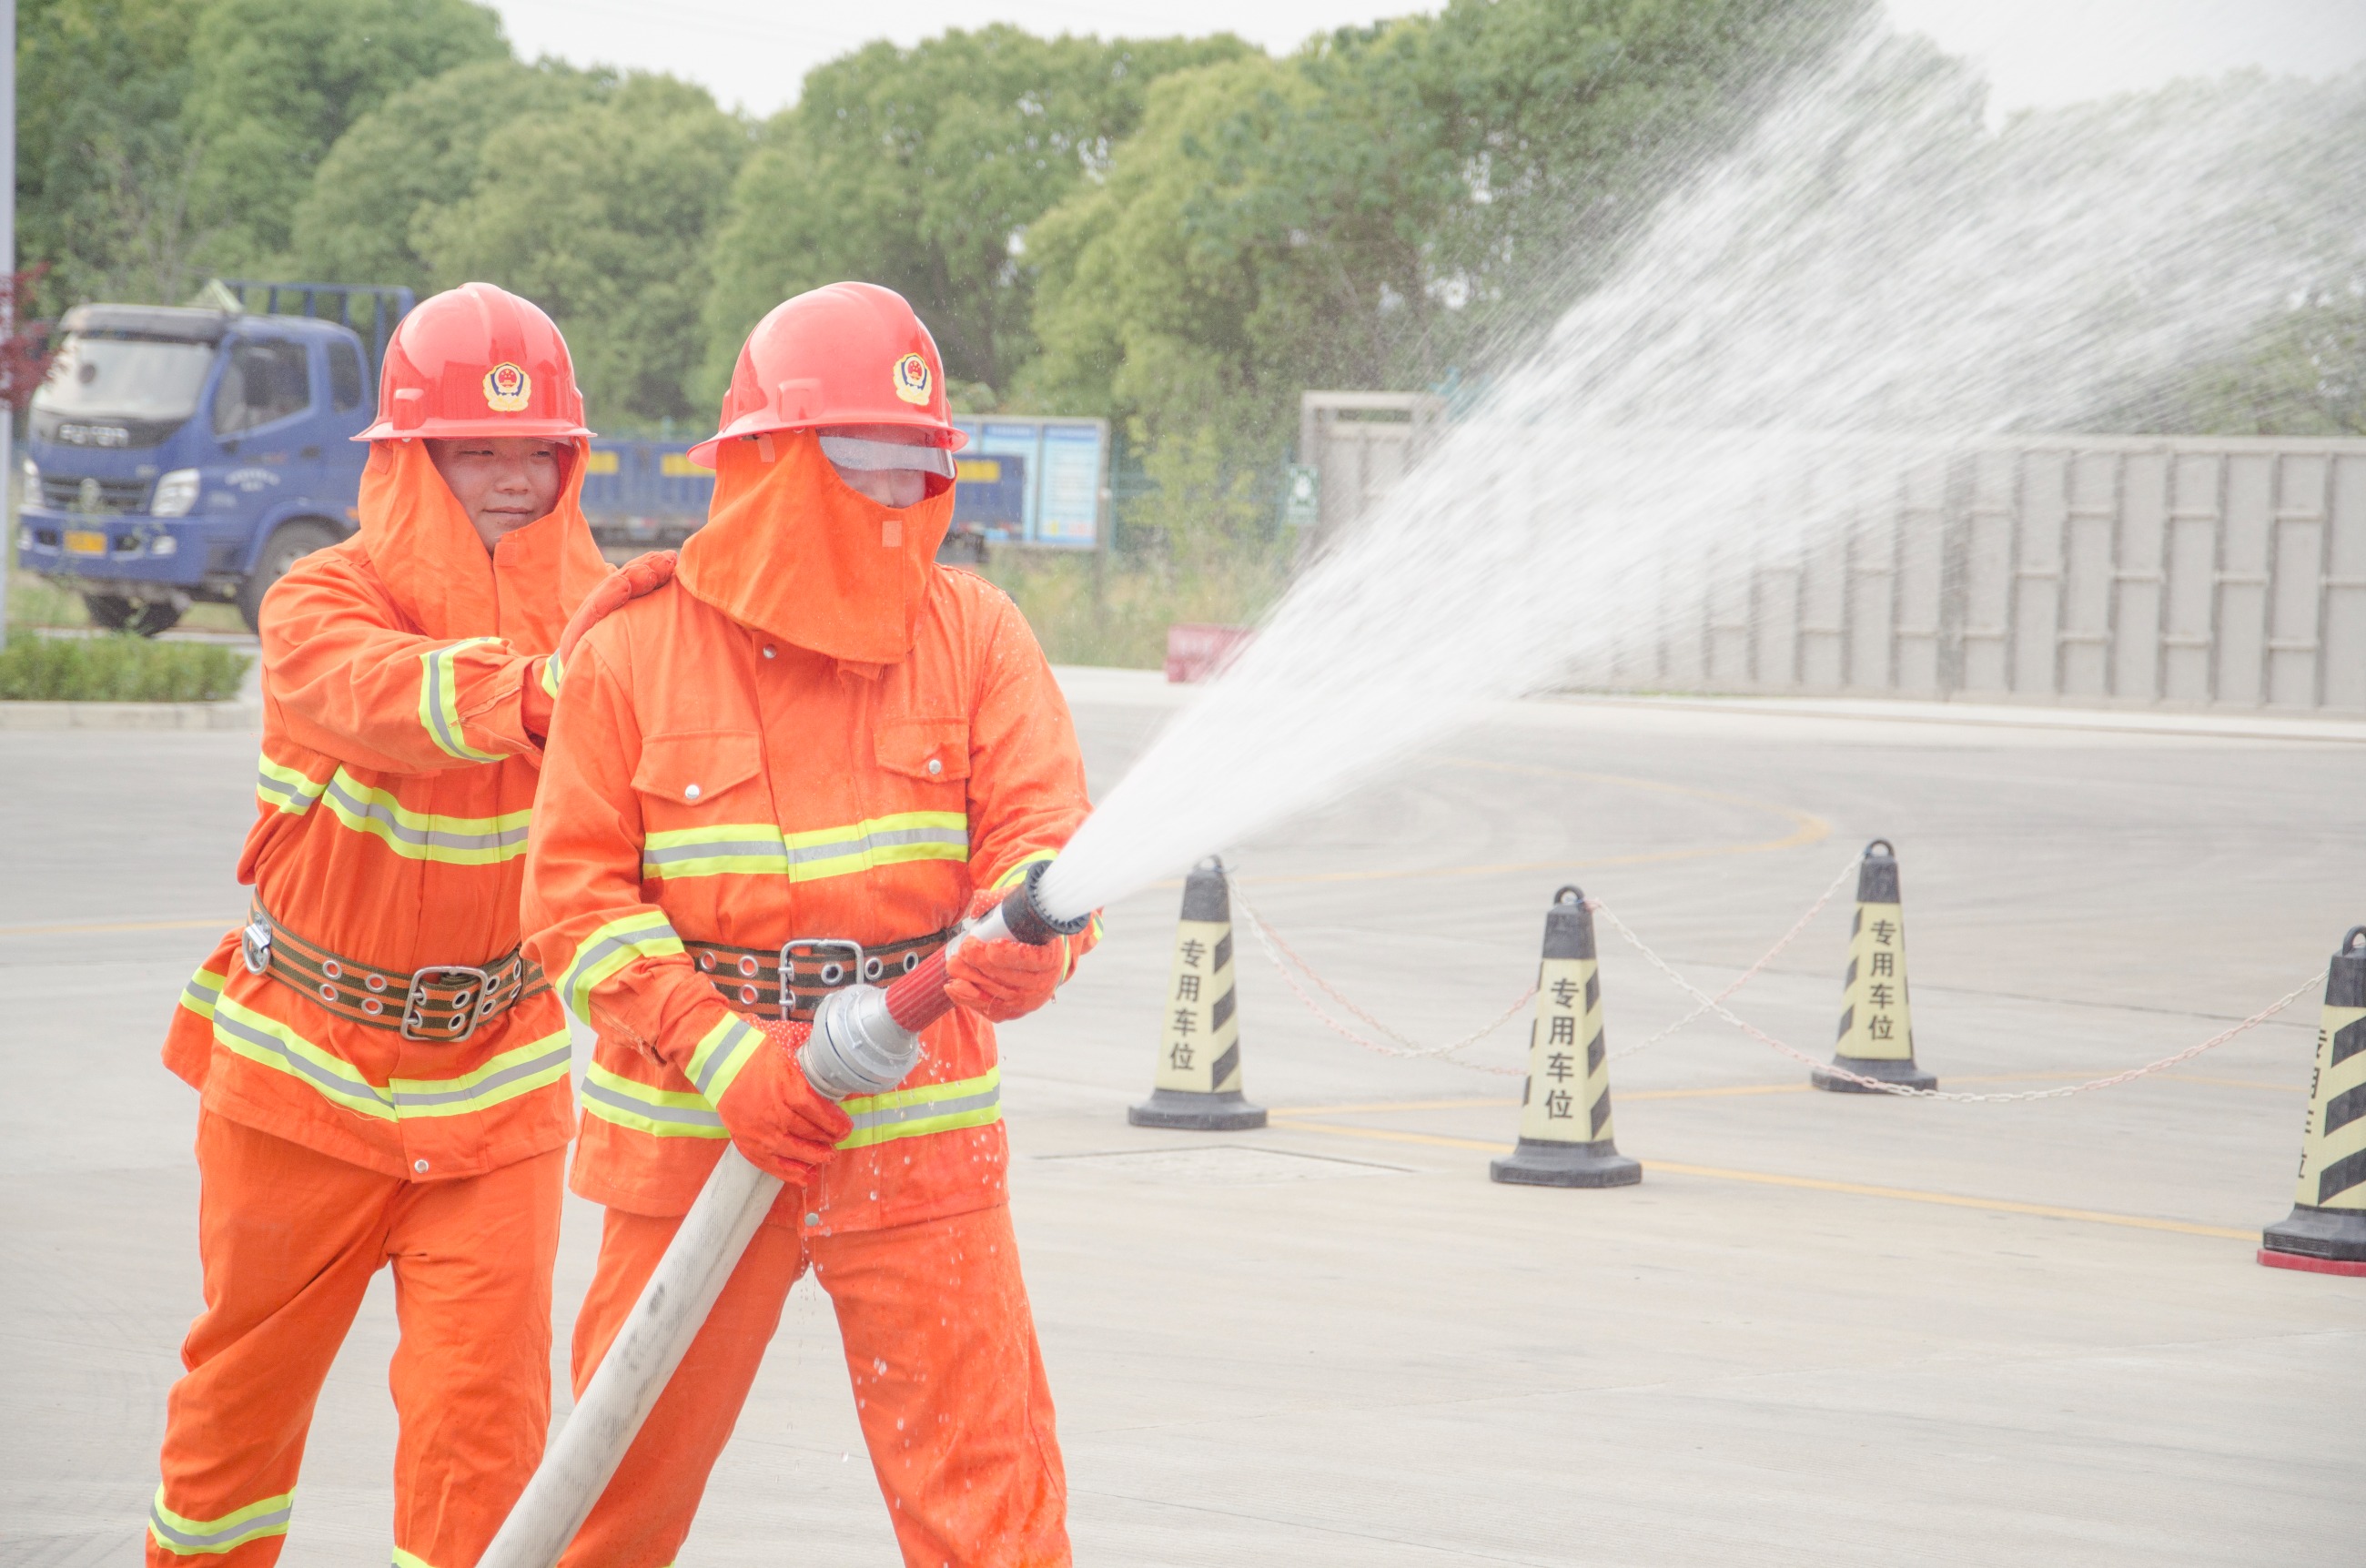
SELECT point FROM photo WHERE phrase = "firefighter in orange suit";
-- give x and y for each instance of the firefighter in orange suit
(384, 1074)
(802, 764)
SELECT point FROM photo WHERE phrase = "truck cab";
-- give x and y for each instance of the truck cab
(182, 454)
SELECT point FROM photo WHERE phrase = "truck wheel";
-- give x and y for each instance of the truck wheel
(113, 613)
(289, 543)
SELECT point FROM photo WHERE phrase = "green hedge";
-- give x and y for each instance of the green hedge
(118, 669)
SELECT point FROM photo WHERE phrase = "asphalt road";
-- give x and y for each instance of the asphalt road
(1825, 1330)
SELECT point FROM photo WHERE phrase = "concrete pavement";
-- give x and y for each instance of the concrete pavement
(1824, 1329)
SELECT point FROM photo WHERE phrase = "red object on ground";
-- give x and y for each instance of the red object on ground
(1198, 650)
(2311, 1265)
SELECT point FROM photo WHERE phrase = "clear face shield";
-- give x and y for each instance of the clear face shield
(889, 465)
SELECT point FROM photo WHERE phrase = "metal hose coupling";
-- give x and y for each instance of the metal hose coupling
(856, 1047)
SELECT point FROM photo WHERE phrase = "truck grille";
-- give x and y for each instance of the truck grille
(109, 497)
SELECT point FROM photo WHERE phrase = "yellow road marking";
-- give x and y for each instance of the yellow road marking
(1814, 1184)
(217, 925)
(1390, 1105)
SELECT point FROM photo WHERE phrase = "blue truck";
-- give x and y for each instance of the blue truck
(179, 454)
(183, 454)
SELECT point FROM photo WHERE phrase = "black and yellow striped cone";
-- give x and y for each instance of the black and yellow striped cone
(1199, 1080)
(1877, 1026)
(1565, 1138)
(2327, 1229)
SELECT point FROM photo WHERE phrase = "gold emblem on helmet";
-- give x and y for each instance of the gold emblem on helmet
(508, 389)
(912, 379)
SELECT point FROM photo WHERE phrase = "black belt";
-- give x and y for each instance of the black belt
(440, 1003)
(750, 976)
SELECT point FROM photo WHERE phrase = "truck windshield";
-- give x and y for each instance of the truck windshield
(128, 379)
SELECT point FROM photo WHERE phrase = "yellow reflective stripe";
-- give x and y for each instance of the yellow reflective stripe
(931, 1108)
(439, 701)
(185, 1537)
(720, 1053)
(266, 1041)
(1017, 874)
(285, 788)
(417, 835)
(642, 934)
(660, 1112)
(410, 1560)
(760, 848)
(204, 990)
(272, 1045)
(552, 672)
(536, 1065)
(878, 1118)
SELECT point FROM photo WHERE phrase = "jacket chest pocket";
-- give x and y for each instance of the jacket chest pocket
(706, 807)
(925, 751)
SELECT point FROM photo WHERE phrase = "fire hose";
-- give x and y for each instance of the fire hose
(858, 1027)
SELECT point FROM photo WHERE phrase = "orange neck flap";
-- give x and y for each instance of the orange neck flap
(791, 549)
(428, 554)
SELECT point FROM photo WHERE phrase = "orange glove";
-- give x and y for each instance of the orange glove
(1006, 979)
(640, 575)
(779, 1120)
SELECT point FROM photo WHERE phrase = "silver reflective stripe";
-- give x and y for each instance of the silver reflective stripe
(854, 452)
(740, 1037)
(425, 838)
(412, 1098)
(801, 854)
(289, 793)
(680, 1115)
(357, 1086)
(956, 837)
(714, 851)
(221, 1538)
(926, 1109)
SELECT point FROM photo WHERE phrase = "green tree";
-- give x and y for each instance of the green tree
(1383, 207)
(604, 214)
(273, 85)
(923, 169)
(102, 173)
(414, 155)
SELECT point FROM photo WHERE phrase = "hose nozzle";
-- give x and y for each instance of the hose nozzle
(866, 1040)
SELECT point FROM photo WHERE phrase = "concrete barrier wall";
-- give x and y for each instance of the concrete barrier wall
(2089, 570)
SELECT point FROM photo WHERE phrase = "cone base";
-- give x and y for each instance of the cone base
(1535, 1163)
(2314, 1238)
(1900, 1070)
(1227, 1112)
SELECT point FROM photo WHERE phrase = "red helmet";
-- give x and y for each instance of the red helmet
(846, 354)
(477, 360)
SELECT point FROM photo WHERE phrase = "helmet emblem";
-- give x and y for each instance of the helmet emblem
(507, 389)
(912, 379)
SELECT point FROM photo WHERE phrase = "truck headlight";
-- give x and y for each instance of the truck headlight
(163, 545)
(176, 492)
(32, 474)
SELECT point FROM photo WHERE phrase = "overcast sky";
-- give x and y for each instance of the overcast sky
(753, 54)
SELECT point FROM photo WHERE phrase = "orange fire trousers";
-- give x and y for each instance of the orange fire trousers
(948, 1380)
(289, 1239)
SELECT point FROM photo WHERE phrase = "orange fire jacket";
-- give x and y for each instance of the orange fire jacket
(710, 780)
(393, 793)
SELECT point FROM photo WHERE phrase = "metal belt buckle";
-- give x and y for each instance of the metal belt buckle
(845, 974)
(255, 946)
(468, 1008)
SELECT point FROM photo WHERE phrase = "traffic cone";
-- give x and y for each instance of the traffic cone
(1877, 1027)
(1197, 1084)
(2326, 1230)
(1565, 1109)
